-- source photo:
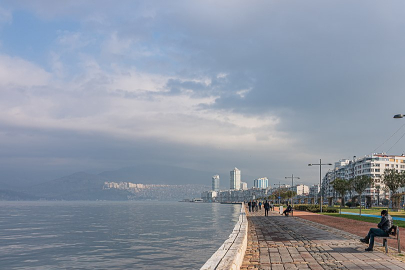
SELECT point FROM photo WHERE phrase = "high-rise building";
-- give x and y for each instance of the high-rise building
(215, 183)
(261, 182)
(235, 179)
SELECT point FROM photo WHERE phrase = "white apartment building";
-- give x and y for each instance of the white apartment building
(300, 189)
(261, 182)
(243, 186)
(215, 183)
(235, 179)
(209, 196)
(314, 191)
(373, 166)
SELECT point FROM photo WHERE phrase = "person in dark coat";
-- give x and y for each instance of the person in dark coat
(383, 230)
(287, 210)
(266, 206)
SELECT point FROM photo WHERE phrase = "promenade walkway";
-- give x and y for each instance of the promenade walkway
(278, 242)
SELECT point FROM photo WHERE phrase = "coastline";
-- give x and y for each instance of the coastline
(230, 254)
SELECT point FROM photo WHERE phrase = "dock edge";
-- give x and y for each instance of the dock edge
(230, 254)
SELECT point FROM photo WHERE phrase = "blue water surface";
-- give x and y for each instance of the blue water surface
(112, 235)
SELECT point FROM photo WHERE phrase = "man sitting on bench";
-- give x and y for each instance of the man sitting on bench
(287, 210)
(383, 230)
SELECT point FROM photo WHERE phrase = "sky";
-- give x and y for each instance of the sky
(264, 86)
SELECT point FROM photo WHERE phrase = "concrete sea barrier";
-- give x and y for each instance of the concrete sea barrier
(230, 254)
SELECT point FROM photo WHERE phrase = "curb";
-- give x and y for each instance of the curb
(230, 254)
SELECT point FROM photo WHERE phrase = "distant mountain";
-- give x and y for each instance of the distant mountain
(77, 186)
(85, 186)
(158, 174)
(9, 195)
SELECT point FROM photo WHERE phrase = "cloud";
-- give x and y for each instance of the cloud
(256, 84)
(15, 71)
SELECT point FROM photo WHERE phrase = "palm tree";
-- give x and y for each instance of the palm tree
(341, 186)
(360, 183)
(393, 180)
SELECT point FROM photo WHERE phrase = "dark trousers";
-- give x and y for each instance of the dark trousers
(266, 211)
(375, 232)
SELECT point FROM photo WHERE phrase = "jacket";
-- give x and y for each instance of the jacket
(385, 223)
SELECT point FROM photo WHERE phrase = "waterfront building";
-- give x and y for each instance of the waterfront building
(209, 196)
(261, 182)
(235, 179)
(313, 191)
(372, 165)
(243, 186)
(300, 189)
(215, 183)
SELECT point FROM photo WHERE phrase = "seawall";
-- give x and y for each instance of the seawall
(230, 254)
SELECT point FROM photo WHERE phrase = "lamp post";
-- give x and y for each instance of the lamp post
(279, 190)
(320, 176)
(292, 185)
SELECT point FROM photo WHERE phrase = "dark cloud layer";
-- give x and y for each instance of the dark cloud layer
(326, 77)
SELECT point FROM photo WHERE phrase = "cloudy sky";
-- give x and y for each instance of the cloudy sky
(266, 86)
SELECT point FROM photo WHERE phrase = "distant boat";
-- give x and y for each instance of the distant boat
(197, 200)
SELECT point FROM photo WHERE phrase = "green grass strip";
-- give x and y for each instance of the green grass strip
(364, 218)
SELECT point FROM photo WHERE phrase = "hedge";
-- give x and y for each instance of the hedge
(315, 208)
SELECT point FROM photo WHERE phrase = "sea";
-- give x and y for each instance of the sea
(83, 235)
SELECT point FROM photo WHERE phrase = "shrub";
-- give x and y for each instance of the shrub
(314, 208)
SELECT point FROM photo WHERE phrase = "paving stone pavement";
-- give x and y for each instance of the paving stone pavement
(278, 242)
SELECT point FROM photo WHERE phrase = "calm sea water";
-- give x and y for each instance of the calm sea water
(112, 235)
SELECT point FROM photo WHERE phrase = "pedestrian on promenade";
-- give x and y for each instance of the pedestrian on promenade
(260, 205)
(266, 206)
(257, 206)
(250, 206)
(253, 206)
(383, 230)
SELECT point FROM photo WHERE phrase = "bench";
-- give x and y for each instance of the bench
(393, 234)
(288, 213)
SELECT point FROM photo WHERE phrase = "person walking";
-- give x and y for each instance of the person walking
(383, 230)
(260, 205)
(250, 206)
(266, 206)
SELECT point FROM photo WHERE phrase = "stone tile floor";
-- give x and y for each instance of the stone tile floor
(278, 242)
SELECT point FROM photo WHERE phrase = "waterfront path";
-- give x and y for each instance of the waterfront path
(278, 242)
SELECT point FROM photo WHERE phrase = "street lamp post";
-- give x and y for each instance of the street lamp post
(279, 191)
(292, 186)
(320, 176)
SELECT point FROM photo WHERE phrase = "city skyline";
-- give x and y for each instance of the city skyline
(265, 86)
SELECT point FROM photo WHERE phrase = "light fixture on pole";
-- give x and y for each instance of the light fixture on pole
(399, 116)
(292, 186)
(320, 177)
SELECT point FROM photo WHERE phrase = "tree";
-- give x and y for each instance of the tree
(341, 186)
(360, 183)
(393, 180)
(350, 188)
(378, 187)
